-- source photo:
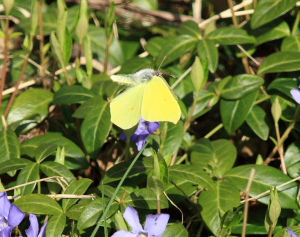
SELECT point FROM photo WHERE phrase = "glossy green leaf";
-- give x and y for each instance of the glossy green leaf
(75, 158)
(284, 85)
(92, 212)
(28, 174)
(84, 108)
(176, 230)
(9, 145)
(197, 75)
(241, 85)
(280, 62)
(205, 101)
(175, 48)
(207, 50)
(95, 127)
(219, 155)
(231, 36)
(12, 165)
(257, 121)
(76, 210)
(56, 48)
(274, 209)
(292, 159)
(268, 10)
(56, 225)
(154, 45)
(43, 151)
(39, 204)
(291, 43)
(72, 94)
(51, 168)
(234, 112)
(276, 110)
(190, 28)
(30, 107)
(156, 186)
(262, 182)
(171, 138)
(144, 197)
(193, 174)
(278, 31)
(76, 187)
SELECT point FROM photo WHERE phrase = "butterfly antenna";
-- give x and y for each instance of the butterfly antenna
(162, 63)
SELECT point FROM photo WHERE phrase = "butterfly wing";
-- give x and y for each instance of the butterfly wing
(125, 109)
(159, 103)
(124, 79)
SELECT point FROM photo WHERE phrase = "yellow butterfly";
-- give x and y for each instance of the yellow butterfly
(149, 96)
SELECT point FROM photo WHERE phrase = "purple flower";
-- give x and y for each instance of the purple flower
(291, 232)
(33, 230)
(155, 225)
(10, 216)
(143, 131)
(296, 95)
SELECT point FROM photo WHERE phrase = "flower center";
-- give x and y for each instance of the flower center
(143, 235)
(3, 223)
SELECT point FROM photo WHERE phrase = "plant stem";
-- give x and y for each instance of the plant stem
(296, 24)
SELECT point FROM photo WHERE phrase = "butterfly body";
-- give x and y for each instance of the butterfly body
(149, 97)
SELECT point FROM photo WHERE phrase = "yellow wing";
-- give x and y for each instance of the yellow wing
(125, 109)
(159, 104)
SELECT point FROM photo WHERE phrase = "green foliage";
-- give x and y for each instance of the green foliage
(232, 82)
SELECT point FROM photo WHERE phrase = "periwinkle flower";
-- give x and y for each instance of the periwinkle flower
(33, 230)
(10, 216)
(296, 95)
(155, 225)
(291, 232)
(143, 131)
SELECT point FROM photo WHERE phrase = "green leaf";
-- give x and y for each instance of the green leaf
(219, 155)
(205, 101)
(76, 187)
(192, 174)
(175, 48)
(156, 186)
(51, 168)
(75, 158)
(12, 165)
(276, 110)
(268, 10)
(142, 197)
(72, 94)
(9, 145)
(28, 174)
(197, 75)
(234, 112)
(274, 209)
(241, 85)
(87, 47)
(146, 4)
(155, 45)
(280, 62)
(262, 182)
(292, 159)
(176, 230)
(75, 211)
(215, 202)
(39, 204)
(83, 22)
(57, 50)
(291, 43)
(190, 28)
(231, 36)
(278, 31)
(284, 85)
(84, 108)
(91, 213)
(8, 5)
(171, 138)
(29, 108)
(208, 50)
(257, 121)
(96, 127)
(56, 225)
(43, 151)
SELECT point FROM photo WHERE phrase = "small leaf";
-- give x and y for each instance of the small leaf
(51, 168)
(241, 85)
(154, 45)
(291, 43)
(280, 62)
(276, 110)
(57, 50)
(9, 145)
(176, 230)
(208, 50)
(28, 174)
(12, 165)
(197, 75)
(231, 36)
(56, 225)
(156, 186)
(268, 10)
(39, 204)
(256, 120)
(8, 5)
(190, 28)
(72, 94)
(274, 209)
(83, 24)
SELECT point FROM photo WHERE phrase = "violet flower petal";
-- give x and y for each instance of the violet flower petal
(156, 224)
(15, 216)
(4, 204)
(33, 229)
(291, 232)
(132, 218)
(123, 233)
(153, 126)
(43, 230)
(6, 232)
(296, 95)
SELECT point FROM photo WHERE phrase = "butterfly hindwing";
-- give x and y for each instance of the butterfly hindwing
(159, 103)
(125, 109)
